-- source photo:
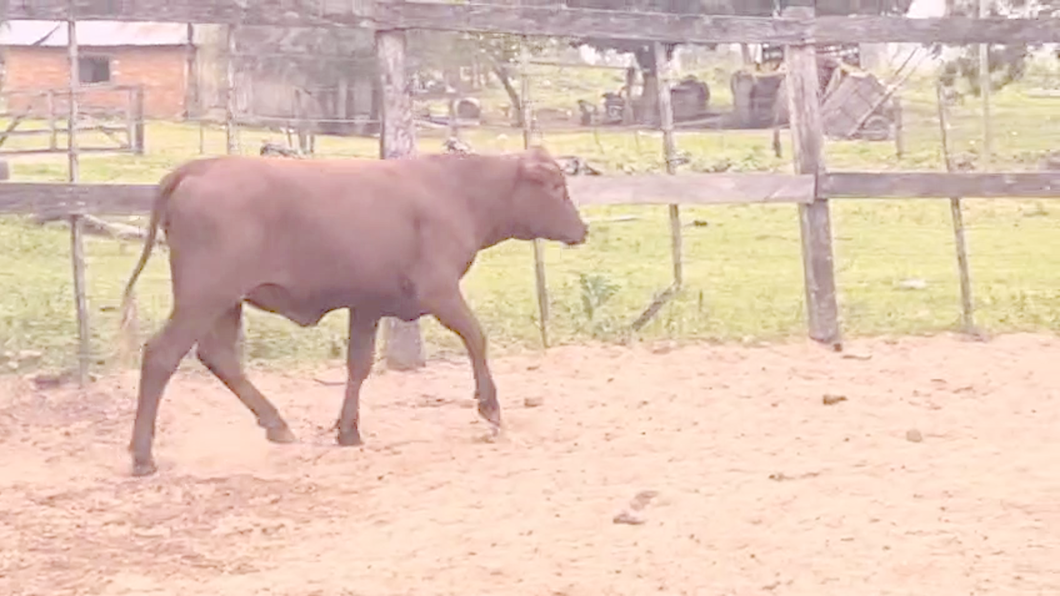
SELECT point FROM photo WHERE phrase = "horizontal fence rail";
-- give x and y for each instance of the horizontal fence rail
(799, 30)
(940, 185)
(56, 199)
(556, 21)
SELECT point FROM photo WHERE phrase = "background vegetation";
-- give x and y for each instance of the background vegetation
(895, 263)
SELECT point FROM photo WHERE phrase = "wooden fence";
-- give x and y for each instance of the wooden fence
(811, 187)
(101, 106)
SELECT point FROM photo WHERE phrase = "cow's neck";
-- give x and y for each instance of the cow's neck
(489, 191)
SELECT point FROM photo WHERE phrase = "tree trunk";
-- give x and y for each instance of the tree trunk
(627, 107)
(647, 109)
(513, 95)
(745, 53)
(649, 99)
(451, 76)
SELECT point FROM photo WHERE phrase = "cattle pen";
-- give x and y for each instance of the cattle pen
(843, 464)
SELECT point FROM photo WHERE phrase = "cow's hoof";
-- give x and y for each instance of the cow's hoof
(349, 438)
(491, 412)
(281, 435)
(143, 468)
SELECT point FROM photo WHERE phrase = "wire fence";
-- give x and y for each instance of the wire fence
(742, 267)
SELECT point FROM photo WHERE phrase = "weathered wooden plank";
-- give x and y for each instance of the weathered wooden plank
(815, 220)
(939, 185)
(77, 243)
(81, 127)
(250, 12)
(986, 152)
(690, 189)
(945, 30)
(123, 148)
(231, 127)
(563, 22)
(47, 198)
(526, 116)
(666, 124)
(957, 214)
(530, 20)
(403, 347)
(554, 21)
(551, 21)
(51, 199)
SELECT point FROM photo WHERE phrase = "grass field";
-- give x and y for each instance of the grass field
(743, 270)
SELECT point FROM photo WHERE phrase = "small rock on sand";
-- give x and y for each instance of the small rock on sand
(631, 515)
(629, 518)
(913, 436)
(641, 499)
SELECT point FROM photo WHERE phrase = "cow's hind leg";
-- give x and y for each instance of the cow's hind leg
(359, 356)
(217, 351)
(452, 311)
(161, 357)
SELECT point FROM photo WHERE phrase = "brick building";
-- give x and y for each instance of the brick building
(184, 77)
(155, 56)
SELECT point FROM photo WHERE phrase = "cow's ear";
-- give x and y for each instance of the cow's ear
(539, 153)
(535, 168)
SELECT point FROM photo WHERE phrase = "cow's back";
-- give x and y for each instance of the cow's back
(330, 231)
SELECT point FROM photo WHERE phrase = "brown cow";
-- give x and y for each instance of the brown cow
(300, 238)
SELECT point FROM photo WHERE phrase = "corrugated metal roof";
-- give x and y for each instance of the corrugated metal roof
(93, 33)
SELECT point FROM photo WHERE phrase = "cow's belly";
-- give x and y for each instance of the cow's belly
(278, 300)
(309, 310)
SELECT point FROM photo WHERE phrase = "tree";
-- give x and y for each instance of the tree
(445, 51)
(1006, 63)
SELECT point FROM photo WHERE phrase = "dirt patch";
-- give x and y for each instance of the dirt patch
(758, 484)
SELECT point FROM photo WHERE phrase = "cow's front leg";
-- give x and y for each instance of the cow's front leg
(360, 353)
(452, 311)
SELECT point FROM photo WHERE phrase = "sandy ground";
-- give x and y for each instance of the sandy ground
(760, 487)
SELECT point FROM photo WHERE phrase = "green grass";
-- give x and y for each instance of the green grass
(742, 269)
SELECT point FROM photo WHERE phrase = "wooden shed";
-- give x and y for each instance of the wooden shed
(283, 75)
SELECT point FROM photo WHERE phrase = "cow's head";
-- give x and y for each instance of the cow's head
(541, 206)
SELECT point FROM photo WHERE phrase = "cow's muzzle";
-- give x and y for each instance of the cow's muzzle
(579, 239)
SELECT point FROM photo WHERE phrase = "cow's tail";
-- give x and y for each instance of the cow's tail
(128, 330)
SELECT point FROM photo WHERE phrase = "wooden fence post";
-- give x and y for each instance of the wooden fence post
(232, 142)
(134, 119)
(130, 117)
(403, 343)
(984, 92)
(527, 117)
(807, 136)
(138, 115)
(899, 127)
(191, 74)
(77, 244)
(231, 138)
(666, 125)
(53, 138)
(956, 212)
